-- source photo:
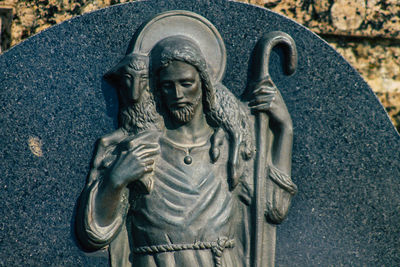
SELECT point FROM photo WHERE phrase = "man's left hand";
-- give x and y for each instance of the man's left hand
(267, 98)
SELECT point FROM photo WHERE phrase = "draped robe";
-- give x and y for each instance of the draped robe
(188, 218)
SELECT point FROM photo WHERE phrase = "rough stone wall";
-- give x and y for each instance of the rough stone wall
(365, 32)
(5, 27)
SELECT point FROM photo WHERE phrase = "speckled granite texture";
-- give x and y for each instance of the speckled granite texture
(54, 105)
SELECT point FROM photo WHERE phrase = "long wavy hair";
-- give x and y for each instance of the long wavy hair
(221, 107)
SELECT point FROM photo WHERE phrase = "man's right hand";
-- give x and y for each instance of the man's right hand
(132, 163)
(127, 159)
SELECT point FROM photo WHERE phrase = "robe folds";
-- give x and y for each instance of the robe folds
(188, 217)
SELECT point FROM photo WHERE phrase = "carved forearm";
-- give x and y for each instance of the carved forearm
(91, 232)
(107, 199)
(281, 155)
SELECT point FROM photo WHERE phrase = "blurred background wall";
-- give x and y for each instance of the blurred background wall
(365, 32)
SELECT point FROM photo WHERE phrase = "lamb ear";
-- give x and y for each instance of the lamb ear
(115, 73)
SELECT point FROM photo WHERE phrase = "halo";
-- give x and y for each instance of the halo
(189, 24)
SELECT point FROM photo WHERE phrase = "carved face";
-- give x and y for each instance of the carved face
(132, 83)
(181, 89)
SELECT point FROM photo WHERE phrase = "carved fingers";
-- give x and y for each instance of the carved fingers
(104, 156)
(145, 154)
(267, 98)
(263, 96)
(132, 164)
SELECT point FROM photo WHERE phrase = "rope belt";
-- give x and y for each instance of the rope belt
(217, 248)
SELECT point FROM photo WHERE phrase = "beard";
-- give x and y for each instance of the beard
(186, 113)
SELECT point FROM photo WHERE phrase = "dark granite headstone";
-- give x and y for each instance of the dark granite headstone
(54, 105)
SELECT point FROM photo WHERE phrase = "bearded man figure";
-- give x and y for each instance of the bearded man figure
(196, 211)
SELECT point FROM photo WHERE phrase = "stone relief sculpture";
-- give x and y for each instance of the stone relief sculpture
(193, 176)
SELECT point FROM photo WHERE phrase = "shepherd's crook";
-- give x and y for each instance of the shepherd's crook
(264, 233)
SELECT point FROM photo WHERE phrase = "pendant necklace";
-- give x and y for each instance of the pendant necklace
(188, 159)
(187, 149)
